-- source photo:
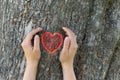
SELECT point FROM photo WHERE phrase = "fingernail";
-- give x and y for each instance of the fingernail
(63, 27)
(67, 38)
(36, 36)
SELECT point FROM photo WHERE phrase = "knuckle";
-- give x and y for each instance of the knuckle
(63, 51)
(75, 47)
(21, 44)
(32, 32)
(24, 45)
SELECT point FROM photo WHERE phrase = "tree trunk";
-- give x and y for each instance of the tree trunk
(95, 22)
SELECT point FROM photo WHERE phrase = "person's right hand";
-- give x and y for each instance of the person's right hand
(32, 53)
(69, 48)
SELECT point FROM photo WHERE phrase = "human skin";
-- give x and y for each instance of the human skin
(33, 53)
(67, 55)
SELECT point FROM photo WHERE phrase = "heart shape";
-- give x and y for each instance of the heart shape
(52, 42)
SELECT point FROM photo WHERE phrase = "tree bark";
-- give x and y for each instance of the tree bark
(95, 22)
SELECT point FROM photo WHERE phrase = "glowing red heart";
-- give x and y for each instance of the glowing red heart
(52, 42)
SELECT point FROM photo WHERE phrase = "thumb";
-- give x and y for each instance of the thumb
(36, 43)
(65, 49)
(66, 43)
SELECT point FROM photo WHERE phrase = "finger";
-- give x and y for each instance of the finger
(36, 43)
(65, 48)
(73, 47)
(32, 33)
(68, 32)
(66, 44)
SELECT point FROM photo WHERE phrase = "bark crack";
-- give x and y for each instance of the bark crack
(111, 60)
(89, 18)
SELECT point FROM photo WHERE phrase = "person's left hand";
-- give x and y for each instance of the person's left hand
(70, 47)
(32, 53)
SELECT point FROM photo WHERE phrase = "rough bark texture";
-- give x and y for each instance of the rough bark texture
(95, 22)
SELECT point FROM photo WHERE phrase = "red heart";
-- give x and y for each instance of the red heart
(52, 42)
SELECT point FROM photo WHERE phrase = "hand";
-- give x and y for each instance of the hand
(67, 55)
(69, 48)
(32, 53)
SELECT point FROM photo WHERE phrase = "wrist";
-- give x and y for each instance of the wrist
(30, 62)
(70, 63)
(32, 65)
(68, 72)
(67, 69)
(67, 65)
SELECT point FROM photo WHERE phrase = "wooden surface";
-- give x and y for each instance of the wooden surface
(95, 22)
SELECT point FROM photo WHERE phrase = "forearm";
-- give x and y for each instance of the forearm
(68, 72)
(30, 71)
